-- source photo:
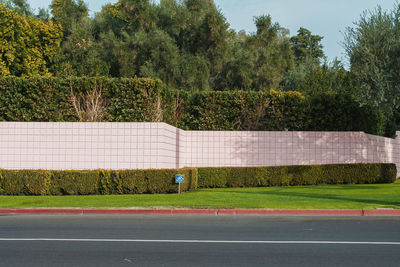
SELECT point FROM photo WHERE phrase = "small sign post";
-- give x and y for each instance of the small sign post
(179, 179)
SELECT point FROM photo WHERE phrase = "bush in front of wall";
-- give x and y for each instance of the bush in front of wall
(25, 182)
(106, 182)
(155, 181)
(75, 182)
(372, 173)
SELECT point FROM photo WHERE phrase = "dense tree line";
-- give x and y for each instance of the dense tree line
(189, 46)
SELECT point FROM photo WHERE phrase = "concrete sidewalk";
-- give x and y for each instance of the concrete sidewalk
(208, 212)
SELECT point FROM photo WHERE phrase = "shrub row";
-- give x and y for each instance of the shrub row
(41, 182)
(105, 182)
(297, 175)
(147, 100)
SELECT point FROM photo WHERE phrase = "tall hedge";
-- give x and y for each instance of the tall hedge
(147, 100)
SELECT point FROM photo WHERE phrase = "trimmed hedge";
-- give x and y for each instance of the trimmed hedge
(25, 182)
(153, 181)
(98, 182)
(148, 100)
(297, 175)
(105, 182)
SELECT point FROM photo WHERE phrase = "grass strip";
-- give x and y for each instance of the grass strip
(301, 197)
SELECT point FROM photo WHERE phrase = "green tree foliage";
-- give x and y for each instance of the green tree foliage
(274, 57)
(27, 45)
(186, 44)
(373, 48)
(305, 45)
(239, 70)
(20, 6)
(308, 75)
(80, 54)
(258, 61)
(147, 100)
(43, 14)
(182, 43)
(68, 13)
(311, 78)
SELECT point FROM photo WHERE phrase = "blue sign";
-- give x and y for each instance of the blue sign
(179, 179)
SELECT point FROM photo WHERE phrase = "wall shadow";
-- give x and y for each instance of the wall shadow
(318, 196)
(309, 148)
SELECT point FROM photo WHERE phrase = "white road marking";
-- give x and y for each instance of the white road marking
(199, 241)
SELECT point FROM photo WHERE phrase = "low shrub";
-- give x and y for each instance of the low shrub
(103, 182)
(297, 175)
(213, 177)
(75, 182)
(25, 182)
(132, 182)
(106, 182)
(155, 181)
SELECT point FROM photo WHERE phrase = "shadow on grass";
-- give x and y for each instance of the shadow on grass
(324, 197)
(349, 187)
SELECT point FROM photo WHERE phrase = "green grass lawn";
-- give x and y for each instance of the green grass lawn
(303, 197)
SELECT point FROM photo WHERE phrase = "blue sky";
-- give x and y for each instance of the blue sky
(328, 18)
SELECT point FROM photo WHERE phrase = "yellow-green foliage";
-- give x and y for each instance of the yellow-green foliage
(24, 182)
(27, 45)
(297, 175)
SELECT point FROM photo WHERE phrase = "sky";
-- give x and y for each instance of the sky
(327, 18)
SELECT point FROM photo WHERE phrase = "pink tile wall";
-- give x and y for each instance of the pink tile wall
(61, 146)
(80, 146)
(287, 148)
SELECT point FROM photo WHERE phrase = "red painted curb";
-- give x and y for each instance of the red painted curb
(41, 211)
(381, 212)
(7, 211)
(196, 212)
(123, 211)
(293, 212)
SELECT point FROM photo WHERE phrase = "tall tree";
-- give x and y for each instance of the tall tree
(257, 61)
(80, 54)
(373, 48)
(182, 42)
(305, 45)
(238, 73)
(27, 45)
(68, 13)
(274, 55)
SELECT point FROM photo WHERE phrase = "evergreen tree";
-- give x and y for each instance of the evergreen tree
(305, 45)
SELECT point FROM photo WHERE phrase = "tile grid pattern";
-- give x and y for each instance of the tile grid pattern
(62, 146)
(77, 146)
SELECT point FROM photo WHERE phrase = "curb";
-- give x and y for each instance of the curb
(207, 212)
(293, 212)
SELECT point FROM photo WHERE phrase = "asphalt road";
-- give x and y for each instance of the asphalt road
(198, 241)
